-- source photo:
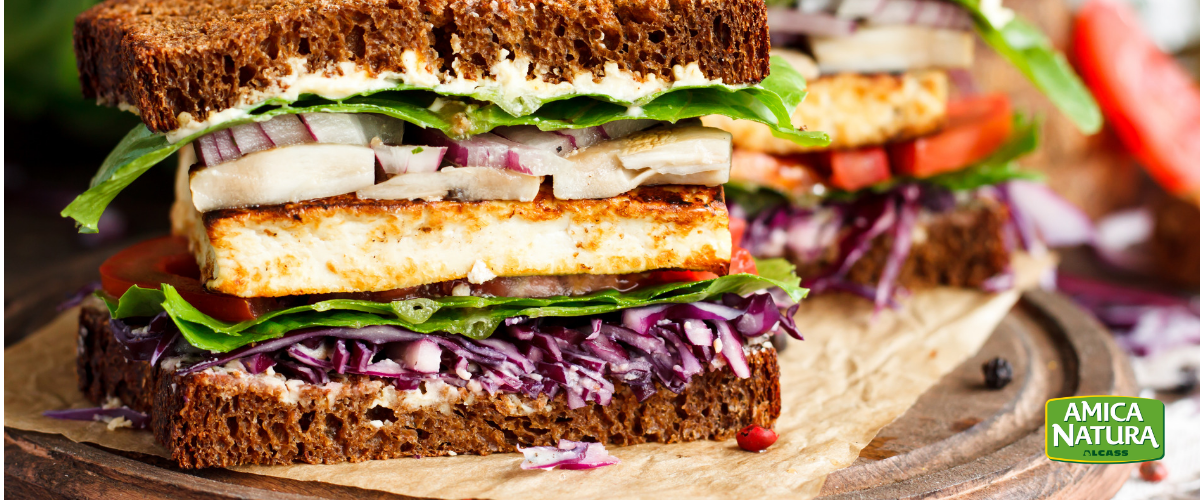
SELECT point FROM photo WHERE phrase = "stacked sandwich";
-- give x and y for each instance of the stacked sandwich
(914, 188)
(428, 228)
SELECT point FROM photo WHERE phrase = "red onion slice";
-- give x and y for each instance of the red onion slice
(250, 138)
(1058, 222)
(206, 150)
(534, 137)
(225, 146)
(334, 128)
(1121, 237)
(933, 13)
(493, 151)
(396, 160)
(286, 130)
(808, 23)
(583, 137)
(353, 128)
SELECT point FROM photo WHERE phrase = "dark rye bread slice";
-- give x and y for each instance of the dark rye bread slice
(167, 57)
(962, 247)
(218, 420)
(1175, 241)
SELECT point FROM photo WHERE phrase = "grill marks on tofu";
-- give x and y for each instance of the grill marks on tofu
(344, 244)
(856, 110)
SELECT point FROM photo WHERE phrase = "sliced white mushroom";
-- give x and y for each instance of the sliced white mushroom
(283, 175)
(462, 184)
(692, 155)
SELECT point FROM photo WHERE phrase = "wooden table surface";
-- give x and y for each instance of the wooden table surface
(960, 440)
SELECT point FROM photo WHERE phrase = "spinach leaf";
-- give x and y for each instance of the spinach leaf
(475, 317)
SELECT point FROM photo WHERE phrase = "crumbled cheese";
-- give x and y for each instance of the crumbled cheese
(480, 273)
(461, 290)
(717, 345)
(111, 403)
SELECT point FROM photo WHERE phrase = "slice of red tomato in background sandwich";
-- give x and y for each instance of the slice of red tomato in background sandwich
(975, 127)
(167, 260)
(1151, 102)
(854, 169)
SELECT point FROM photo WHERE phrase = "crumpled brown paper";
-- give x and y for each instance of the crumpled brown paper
(849, 379)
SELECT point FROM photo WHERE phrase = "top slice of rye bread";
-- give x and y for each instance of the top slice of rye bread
(167, 57)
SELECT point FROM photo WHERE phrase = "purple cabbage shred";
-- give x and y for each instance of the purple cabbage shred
(138, 419)
(644, 347)
(807, 235)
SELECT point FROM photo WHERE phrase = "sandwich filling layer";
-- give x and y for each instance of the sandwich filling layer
(345, 244)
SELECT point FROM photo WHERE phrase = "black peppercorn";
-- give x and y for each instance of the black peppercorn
(997, 373)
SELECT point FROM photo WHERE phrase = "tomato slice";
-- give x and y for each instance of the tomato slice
(737, 229)
(855, 169)
(975, 127)
(742, 262)
(1151, 102)
(167, 260)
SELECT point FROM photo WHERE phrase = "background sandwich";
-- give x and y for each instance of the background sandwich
(916, 187)
(423, 228)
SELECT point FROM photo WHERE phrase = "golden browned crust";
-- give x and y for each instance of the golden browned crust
(344, 244)
(167, 57)
(856, 110)
(218, 420)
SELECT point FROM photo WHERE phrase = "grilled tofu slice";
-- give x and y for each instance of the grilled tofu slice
(856, 110)
(345, 244)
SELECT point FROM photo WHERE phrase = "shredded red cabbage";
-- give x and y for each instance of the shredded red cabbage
(850, 228)
(567, 455)
(1145, 322)
(138, 419)
(147, 343)
(77, 297)
(581, 357)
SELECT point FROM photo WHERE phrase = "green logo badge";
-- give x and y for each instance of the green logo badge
(1105, 429)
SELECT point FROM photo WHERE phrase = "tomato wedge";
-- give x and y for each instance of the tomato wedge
(737, 230)
(167, 260)
(975, 127)
(742, 262)
(855, 169)
(1151, 102)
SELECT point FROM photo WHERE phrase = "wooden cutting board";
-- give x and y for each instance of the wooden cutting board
(960, 440)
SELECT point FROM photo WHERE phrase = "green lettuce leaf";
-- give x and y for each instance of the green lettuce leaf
(1031, 52)
(771, 102)
(475, 317)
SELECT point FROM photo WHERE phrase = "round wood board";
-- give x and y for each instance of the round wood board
(960, 440)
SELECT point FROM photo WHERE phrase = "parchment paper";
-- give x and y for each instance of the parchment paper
(849, 379)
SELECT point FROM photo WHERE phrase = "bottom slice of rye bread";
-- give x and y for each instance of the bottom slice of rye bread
(224, 418)
(962, 247)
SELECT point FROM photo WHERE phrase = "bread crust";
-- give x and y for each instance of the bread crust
(167, 57)
(962, 247)
(215, 419)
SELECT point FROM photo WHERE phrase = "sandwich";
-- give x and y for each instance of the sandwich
(411, 228)
(1160, 129)
(918, 186)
